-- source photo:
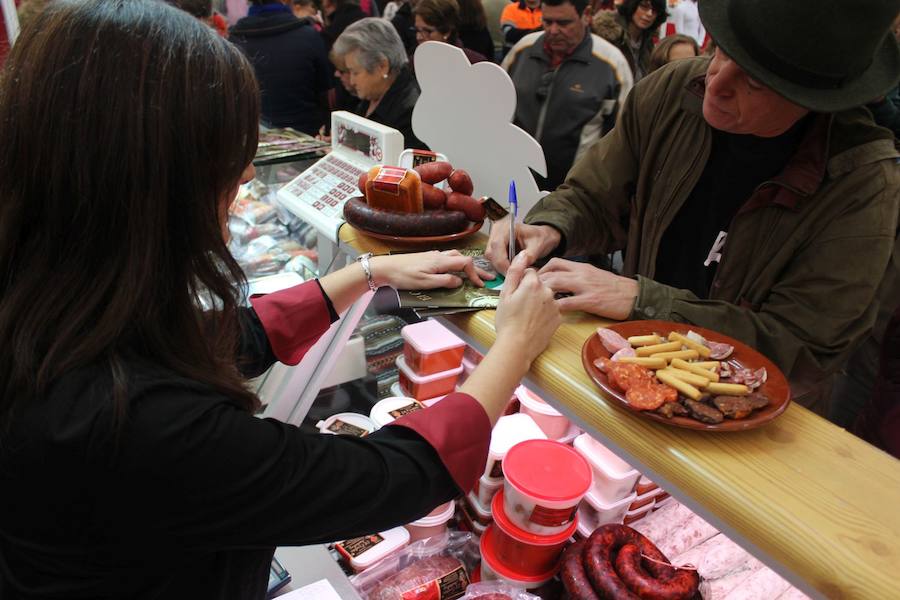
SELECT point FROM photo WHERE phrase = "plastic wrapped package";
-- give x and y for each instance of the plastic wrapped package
(496, 590)
(436, 567)
(675, 529)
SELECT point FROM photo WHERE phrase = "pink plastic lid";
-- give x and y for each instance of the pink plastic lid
(487, 554)
(526, 537)
(430, 336)
(547, 470)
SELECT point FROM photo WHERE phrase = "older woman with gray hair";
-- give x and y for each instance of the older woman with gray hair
(379, 70)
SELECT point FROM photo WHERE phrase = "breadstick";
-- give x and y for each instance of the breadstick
(693, 368)
(728, 389)
(682, 386)
(692, 378)
(707, 364)
(655, 348)
(702, 350)
(644, 361)
(644, 340)
(683, 354)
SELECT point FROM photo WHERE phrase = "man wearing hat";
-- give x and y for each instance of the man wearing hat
(750, 193)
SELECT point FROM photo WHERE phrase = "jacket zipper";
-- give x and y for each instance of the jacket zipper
(539, 130)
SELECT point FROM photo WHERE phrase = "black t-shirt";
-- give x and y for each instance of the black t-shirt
(737, 165)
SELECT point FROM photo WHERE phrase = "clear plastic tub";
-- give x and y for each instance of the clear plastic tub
(614, 478)
(365, 551)
(526, 553)
(595, 512)
(644, 485)
(479, 512)
(570, 436)
(385, 411)
(552, 422)
(637, 514)
(347, 423)
(544, 482)
(509, 431)
(432, 524)
(485, 488)
(467, 521)
(424, 387)
(431, 348)
(663, 500)
(493, 570)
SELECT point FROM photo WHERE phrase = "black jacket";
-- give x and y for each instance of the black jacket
(291, 65)
(395, 109)
(478, 40)
(405, 24)
(340, 19)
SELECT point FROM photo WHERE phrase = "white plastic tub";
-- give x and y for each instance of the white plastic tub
(347, 423)
(385, 411)
(637, 514)
(479, 513)
(509, 431)
(596, 512)
(644, 499)
(552, 422)
(570, 436)
(432, 524)
(544, 482)
(644, 485)
(397, 391)
(614, 478)
(365, 551)
(485, 488)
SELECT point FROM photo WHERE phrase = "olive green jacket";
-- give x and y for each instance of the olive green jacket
(804, 255)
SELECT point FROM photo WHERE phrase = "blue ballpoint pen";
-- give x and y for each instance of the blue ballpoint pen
(513, 213)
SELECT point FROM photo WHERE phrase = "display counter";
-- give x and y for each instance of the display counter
(812, 501)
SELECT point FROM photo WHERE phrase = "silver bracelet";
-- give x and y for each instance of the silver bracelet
(363, 260)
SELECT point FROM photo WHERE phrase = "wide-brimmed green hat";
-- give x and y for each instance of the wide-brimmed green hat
(825, 55)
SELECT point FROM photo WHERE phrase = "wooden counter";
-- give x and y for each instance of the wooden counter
(815, 503)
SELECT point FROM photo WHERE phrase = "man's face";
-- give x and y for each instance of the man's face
(737, 103)
(563, 27)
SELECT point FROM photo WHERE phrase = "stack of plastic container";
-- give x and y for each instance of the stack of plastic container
(613, 496)
(534, 513)
(363, 552)
(475, 509)
(552, 422)
(431, 361)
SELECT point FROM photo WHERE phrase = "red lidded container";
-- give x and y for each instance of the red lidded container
(431, 348)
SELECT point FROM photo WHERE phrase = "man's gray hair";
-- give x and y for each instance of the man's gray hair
(376, 40)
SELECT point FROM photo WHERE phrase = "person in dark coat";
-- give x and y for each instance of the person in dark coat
(438, 21)
(291, 65)
(339, 14)
(380, 74)
(879, 422)
(632, 29)
(404, 22)
(473, 29)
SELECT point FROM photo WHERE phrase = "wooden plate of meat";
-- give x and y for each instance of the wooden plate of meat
(738, 365)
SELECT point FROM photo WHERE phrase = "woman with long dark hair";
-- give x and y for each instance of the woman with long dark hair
(632, 29)
(131, 465)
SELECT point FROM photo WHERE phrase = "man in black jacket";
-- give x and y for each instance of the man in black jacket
(291, 64)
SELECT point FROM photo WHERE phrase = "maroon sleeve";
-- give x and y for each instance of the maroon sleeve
(459, 430)
(293, 318)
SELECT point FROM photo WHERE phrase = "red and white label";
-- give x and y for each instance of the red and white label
(447, 587)
(552, 517)
(388, 180)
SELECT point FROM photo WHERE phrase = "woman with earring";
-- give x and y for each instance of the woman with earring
(380, 73)
(438, 21)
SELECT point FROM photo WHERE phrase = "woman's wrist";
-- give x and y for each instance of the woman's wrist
(512, 349)
(379, 270)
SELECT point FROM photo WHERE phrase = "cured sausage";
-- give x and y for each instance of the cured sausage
(434, 172)
(460, 181)
(626, 375)
(646, 396)
(654, 580)
(361, 182)
(601, 558)
(433, 197)
(469, 205)
(432, 222)
(611, 340)
(573, 576)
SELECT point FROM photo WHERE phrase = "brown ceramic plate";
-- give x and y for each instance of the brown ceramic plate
(776, 386)
(424, 239)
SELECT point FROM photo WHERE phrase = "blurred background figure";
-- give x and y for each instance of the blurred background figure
(519, 19)
(203, 10)
(308, 9)
(685, 19)
(674, 47)
(339, 14)
(438, 21)
(290, 62)
(379, 72)
(343, 96)
(400, 14)
(473, 29)
(632, 29)
(492, 11)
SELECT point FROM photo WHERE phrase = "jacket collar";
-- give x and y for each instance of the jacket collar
(392, 101)
(581, 53)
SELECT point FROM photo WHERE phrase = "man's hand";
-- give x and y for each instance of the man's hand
(535, 241)
(593, 290)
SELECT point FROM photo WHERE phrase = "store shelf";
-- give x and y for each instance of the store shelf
(815, 503)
